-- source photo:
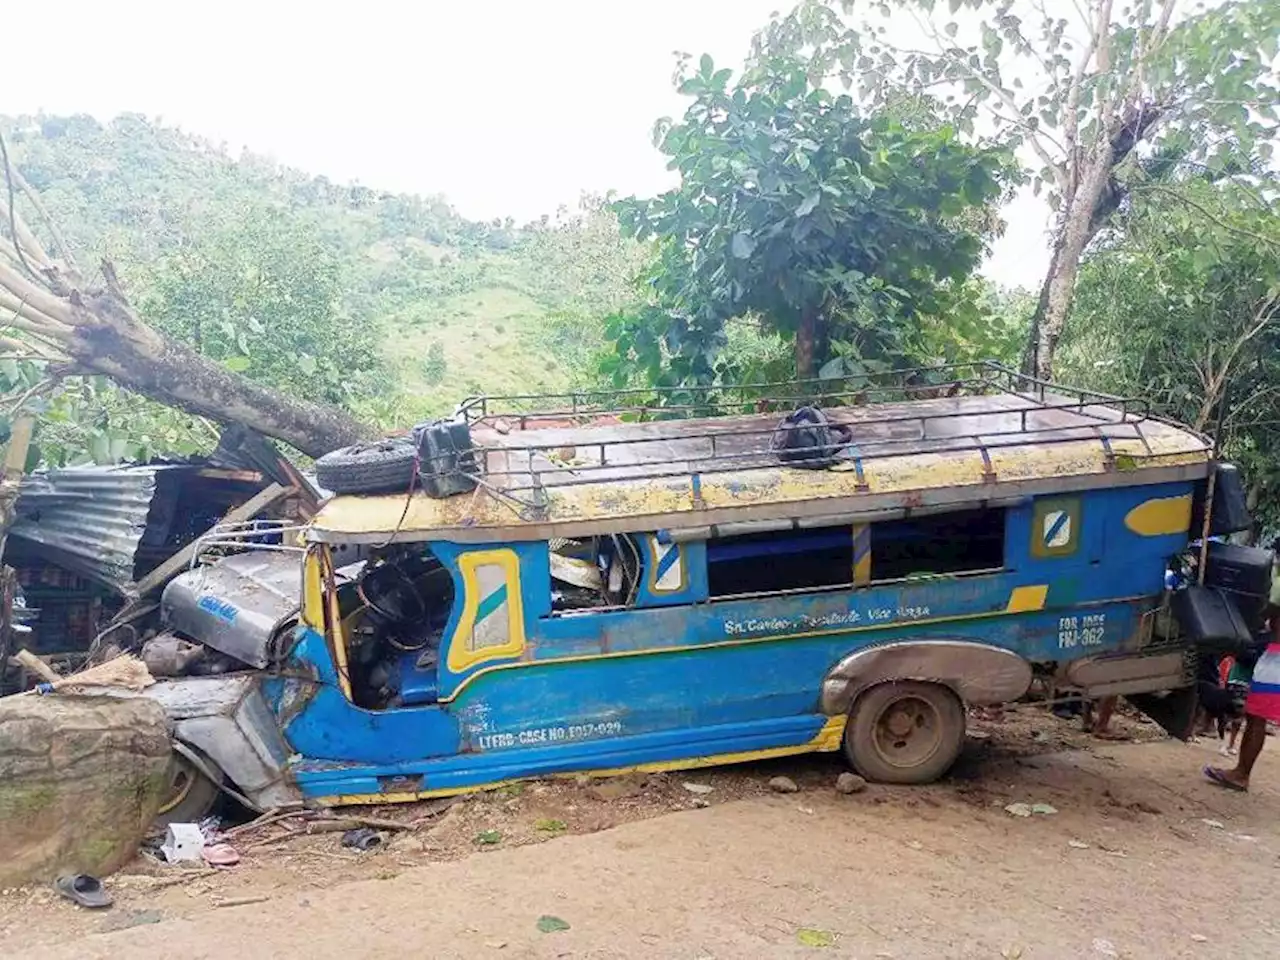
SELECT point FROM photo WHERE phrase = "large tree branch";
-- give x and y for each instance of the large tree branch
(98, 331)
(1209, 215)
(1034, 134)
(59, 241)
(1103, 30)
(27, 293)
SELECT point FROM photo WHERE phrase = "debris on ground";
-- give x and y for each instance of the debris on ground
(783, 785)
(699, 788)
(813, 937)
(848, 783)
(1028, 809)
(83, 890)
(364, 839)
(550, 924)
(183, 843)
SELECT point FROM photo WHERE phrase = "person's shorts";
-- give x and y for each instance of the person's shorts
(1264, 690)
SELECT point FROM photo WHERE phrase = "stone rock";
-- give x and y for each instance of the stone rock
(81, 780)
(617, 788)
(850, 783)
(783, 785)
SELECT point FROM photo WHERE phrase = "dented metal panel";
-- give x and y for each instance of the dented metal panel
(237, 606)
(228, 719)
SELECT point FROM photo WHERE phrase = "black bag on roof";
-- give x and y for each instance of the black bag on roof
(806, 438)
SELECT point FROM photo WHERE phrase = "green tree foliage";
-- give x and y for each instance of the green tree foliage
(406, 306)
(836, 230)
(1082, 88)
(262, 294)
(1181, 305)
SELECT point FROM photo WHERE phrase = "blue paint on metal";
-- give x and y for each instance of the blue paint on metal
(469, 769)
(692, 555)
(222, 609)
(658, 682)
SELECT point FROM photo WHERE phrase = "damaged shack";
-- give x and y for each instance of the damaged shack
(94, 546)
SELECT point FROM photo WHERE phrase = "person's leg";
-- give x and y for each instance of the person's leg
(1251, 743)
(1233, 731)
(1102, 720)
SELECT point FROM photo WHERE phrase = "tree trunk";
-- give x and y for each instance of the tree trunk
(806, 338)
(1078, 226)
(108, 338)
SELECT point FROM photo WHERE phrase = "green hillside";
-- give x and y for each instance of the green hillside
(458, 306)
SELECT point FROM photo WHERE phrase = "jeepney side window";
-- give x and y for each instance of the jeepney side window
(856, 555)
(594, 573)
(962, 541)
(776, 561)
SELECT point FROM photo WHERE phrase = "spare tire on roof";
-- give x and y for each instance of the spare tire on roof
(380, 466)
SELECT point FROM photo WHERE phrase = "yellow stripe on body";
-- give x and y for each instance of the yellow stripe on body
(1160, 517)
(1028, 599)
(1021, 600)
(824, 741)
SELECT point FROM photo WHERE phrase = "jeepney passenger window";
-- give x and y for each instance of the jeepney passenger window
(780, 560)
(962, 541)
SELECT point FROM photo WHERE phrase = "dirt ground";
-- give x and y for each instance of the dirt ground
(1134, 856)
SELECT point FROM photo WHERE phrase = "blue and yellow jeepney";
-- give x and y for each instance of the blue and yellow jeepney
(622, 589)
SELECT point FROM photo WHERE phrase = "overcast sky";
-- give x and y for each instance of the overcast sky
(507, 107)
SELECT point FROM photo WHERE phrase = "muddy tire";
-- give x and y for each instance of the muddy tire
(383, 466)
(905, 731)
(190, 796)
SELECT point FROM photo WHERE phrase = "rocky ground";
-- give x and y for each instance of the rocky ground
(1120, 850)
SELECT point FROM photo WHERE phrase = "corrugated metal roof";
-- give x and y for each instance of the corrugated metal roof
(88, 519)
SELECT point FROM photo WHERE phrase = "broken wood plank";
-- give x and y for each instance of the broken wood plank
(179, 561)
(33, 664)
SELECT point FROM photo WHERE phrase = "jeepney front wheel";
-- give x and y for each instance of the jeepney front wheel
(904, 731)
(190, 796)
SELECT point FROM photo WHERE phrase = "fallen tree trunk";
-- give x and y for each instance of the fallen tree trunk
(57, 318)
(110, 339)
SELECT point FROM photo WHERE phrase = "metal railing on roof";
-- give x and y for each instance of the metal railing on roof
(688, 401)
(599, 426)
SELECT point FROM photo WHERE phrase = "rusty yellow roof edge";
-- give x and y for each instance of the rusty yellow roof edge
(594, 509)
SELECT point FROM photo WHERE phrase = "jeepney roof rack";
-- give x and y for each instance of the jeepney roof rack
(531, 442)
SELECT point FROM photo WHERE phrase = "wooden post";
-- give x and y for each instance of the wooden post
(15, 462)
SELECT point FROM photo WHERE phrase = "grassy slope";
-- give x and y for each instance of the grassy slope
(136, 191)
(494, 341)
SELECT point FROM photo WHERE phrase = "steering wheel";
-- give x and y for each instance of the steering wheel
(397, 600)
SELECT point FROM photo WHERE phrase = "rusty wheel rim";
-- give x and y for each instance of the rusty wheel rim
(182, 778)
(907, 732)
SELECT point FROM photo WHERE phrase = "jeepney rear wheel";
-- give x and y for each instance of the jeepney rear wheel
(905, 731)
(190, 796)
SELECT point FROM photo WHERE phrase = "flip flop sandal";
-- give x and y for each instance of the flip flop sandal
(220, 855)
(362, 838)
(83, 890)
(1215, 777)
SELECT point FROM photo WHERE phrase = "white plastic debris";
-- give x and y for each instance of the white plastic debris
(182, 842)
